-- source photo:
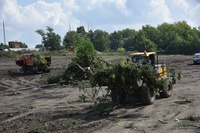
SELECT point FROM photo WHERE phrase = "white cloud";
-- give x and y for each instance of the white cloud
(109, 15)
(71, 5)
(183, 4)
(188, 11)
(22, 22)
(135, 26)
(120, 4)
(159, 11)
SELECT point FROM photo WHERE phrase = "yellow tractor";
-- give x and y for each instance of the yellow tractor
(164, 90)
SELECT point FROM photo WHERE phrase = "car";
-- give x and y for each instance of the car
(196, 58)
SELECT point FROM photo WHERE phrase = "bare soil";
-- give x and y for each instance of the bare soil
(27, 105)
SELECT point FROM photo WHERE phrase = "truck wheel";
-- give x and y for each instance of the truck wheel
(46, 71)
(166, 90)
(146, 97)
(118, 96)
(25, 69)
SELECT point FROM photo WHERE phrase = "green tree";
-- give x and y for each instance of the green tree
(50, 39)
(178, 38)
(115, 40)
(81, 32)
(101, 41)
(119, 39)
(23, 45)
(120, 49)
(70, 39)
(167, 34)
(142, 43)
(39, 46)
(3, 46)
(128, 34)
(151, 33)
(84, 51)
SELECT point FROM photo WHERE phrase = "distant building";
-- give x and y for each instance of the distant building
(14, 44)
(24, 49)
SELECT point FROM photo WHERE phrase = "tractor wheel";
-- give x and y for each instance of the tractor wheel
(118, 96)
(167, 89)
(146, 97)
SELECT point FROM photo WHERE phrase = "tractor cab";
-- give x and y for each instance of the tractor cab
(143, 58)
(151, 59)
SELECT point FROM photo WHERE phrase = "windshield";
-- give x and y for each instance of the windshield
(139, 59)
(197, 56)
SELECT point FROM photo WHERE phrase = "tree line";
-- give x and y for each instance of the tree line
(176, 38)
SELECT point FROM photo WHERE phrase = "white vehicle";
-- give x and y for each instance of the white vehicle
(196, 58)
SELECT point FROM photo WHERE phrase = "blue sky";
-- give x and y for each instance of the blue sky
(23, 17)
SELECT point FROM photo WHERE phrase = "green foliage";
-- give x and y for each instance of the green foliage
(39, 59)
(54, 79)
(39, 46)
(176, 75)
(125, 75)
(23, 45)
(41, 129)
(192, 118)
(50, 40)
(82, 88)
(121, 49)
(26, 108)
(84, 56)
(143, 43)
(178, 38)
(71, 38)
(183, 102)
(85, 48)
(102, 109)
(73, 73)
(117, 119)
(7, 54)
(100, 39)
(81, 32)
(3, 46)
(175, 38)
(84, 52)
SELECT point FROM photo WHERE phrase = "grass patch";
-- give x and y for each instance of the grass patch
(192, 118)
(26, 108)
(183, 102)
(54, 79)
(41, 129)
(77, 123)
(117, 119)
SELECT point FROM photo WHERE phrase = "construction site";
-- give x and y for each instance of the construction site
(30, 105)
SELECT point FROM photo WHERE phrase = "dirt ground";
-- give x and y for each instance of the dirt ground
(27, 105)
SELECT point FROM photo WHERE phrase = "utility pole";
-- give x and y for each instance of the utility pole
(4, 33)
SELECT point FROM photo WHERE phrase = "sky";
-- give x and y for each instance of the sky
(23, 17)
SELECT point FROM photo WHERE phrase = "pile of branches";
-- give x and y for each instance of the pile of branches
(102, 73)
(83, 69)
(124, 74)
(39, 60)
